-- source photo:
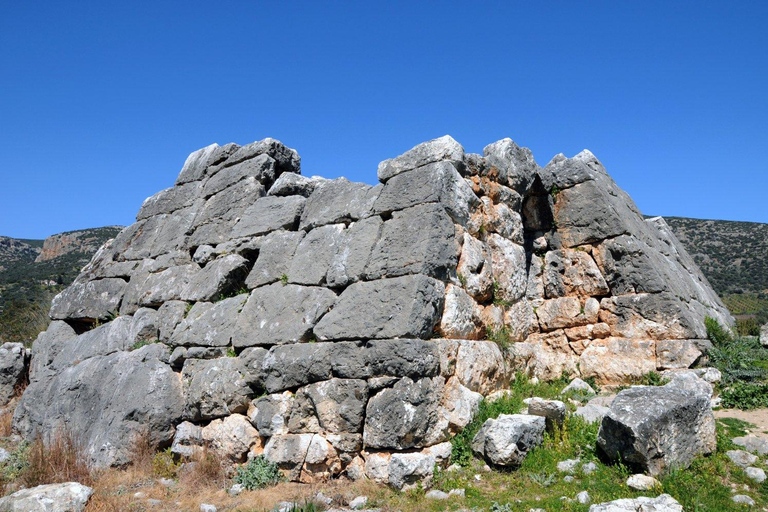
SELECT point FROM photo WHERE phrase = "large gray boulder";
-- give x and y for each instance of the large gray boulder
(657, 428)
(66, 497)
(106, 401)
(14, 365)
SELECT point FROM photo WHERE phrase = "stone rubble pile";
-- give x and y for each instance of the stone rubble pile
(342, 328)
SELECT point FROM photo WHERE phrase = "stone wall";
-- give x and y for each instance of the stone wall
(338, 327)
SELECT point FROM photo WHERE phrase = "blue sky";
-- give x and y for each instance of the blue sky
(100, 102)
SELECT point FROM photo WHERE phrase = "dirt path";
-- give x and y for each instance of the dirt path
(758, 417)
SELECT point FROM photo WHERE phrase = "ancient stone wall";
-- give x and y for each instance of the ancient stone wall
(338, 327)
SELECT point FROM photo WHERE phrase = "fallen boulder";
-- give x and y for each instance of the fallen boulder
(657, 428)
(506, 440)
(66, 497)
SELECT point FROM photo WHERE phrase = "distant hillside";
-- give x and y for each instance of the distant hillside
(32, 272)
(733, 255)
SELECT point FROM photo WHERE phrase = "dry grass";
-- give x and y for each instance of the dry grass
(6, 418)
(62, 459)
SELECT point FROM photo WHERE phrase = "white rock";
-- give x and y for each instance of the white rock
(568, 466)
(434, 494)
(206, 507)
(741, 458)
(583, 498)
(358, 503)
(743, 499)
(589, 468)
(457, 492)
(578, 385)
(642, 482)
(756, 474)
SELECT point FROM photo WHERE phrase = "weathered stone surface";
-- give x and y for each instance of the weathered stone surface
(215, 387)
(460, 319)
(662, 503)
(107, 400)
(506, 440)
(741, 458)
(406, 470)
(13, 368)
(291, 366)
(169, 200)
(480, 366)
(209, 324)
(66, 497)
(338, 201)
(657, 428)
(511, 165)
(333, 406)
(508, 268)
(282, 314)
(219, 277)
(444, 148)
(232, 437)
(415, 403)
(460, 404)
(91, 300)
(615, 360)
(475, 270)
(188, 440)
(438, 182)
(314, 255)
(353, 252)
(567, 312)
(553, 411)
(579, 386)
(261, 168)
(688, 381)
(419, 240)
(275, 255)
(592, 413)
(572, 272)
(270, 414)
(641, 482)
(152, 289)
(401, 358)
(292, 184)
(764, 335)
(408, 306)
(753, 443)
(269, 214)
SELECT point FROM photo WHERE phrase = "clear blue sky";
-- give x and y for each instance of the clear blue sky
(100, 102)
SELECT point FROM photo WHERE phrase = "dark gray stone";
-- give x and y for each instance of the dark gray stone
(402, 358)
(107, 401)
(90, 300)
(292, 184)
(353, 252)
(169, 316)
(419, 240)
(209, 324)
(275, 255)
(415, 404)
(406, 307)
(13, 370)
(261, 168)
(337, 201)
(278, 313)
(334, 406)
(511, 165)
(439, 182)
(269, 214)
(314, 255)
(170, 200)
(291, 366)
(657, 428)
(443, 148)
(214, 388)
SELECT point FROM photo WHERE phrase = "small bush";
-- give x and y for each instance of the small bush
(258, 473)
(164, 464)
(740, 359)
(500, 336)
(143, 343)
(205, 470)
(284, 279)
(745, 395)
(716, 333)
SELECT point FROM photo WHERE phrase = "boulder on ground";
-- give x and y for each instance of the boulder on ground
(66, 497)
(662, 503)
(657, 428)
(506, 440)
